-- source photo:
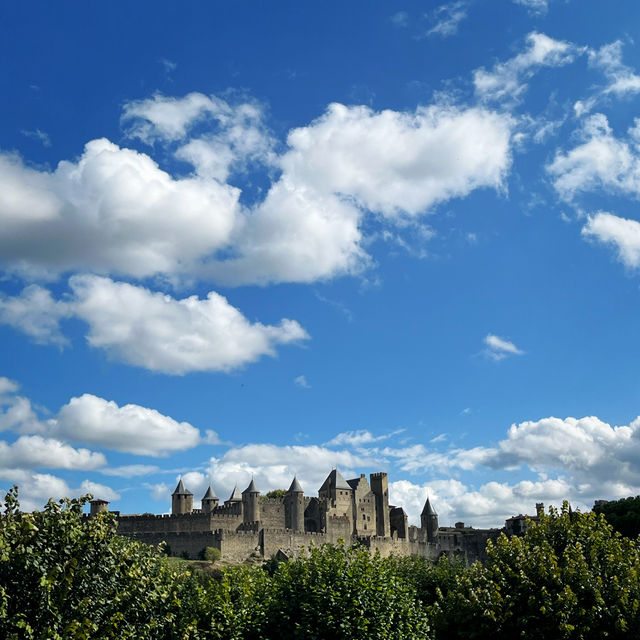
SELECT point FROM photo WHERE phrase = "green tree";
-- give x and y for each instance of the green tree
(63, 575)
(276, 493)
(571, 576)
(344, 593)
(623, 515)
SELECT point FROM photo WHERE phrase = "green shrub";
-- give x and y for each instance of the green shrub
(63, 575)
(211, 554)
(571, 576)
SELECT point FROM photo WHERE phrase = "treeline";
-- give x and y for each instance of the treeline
(65, 576)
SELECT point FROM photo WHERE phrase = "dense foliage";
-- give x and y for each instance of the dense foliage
(571, 576)
(623, 515)
(63, 575)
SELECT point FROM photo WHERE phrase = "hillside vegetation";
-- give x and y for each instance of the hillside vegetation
(66, 576)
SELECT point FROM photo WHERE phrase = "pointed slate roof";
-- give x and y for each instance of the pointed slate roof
(210, 495)
(181, 490)
(336, 481)
(235, 495)
(428, 509)
(251, 488)
(295, 486)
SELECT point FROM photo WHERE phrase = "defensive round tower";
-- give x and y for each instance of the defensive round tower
(429, 521)
(294, 507)
(380, 488)
(251, 503)
(181, 500)
(98, 506)
(209, 501)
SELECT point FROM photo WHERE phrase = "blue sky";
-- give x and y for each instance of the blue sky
(269, 239)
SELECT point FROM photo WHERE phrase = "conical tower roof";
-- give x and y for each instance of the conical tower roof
(295, 487)
(428, 510)
(210, 495)
(251, 488)
(335, 480)
(235, 495)
(181, 490)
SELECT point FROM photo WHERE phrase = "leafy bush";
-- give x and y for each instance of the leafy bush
(623, 515)
(571, 576)
(63, 575)
(211, 554)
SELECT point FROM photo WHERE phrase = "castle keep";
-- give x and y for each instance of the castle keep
(249, 524)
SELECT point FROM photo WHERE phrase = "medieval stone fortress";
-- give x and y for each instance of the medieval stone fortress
(251, 525)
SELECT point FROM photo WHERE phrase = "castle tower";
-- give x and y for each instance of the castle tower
(429, 521)
(209, 501)
(338, 494)
(98, 506)
(380, 488)
(294, 507)
(181, 500)
(251, 503)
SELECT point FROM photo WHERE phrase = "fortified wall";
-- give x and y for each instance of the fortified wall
(248, 524)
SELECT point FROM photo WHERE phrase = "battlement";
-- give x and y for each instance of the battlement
(379, 474)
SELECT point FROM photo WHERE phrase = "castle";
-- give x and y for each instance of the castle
(248, 524)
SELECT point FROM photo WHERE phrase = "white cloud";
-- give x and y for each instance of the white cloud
(499, 348)
(448, 17)
(432, 155)
(115, 211)
(622, 79)
(149, 329)
(35, 313)
(130, 428)
(273, 467)
(7, 386)
(602, 161)
(301, 381)
(359, 437)
(621, 233)
(505, 80)
(534, 6)
(38, 135)
(400, 19)
(130, 470)
(35, 489)
(34, 451)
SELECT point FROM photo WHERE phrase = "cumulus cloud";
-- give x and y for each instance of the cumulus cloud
(36, 313)
(447, 18)
(115, 211)
(149, 329)
(621, 233)
(37, 452)
(506, 80)
(485, 506)
(301, 381)
(96, 421)
(273, 467)
(130, 428)
(601, 161)
(498, 348)
(35, 489)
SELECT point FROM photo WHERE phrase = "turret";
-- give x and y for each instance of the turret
(294, 507)
(429, 521)
(181, 500)
(251, 503)
(98, 506)
(209, 501)
(380, 488)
